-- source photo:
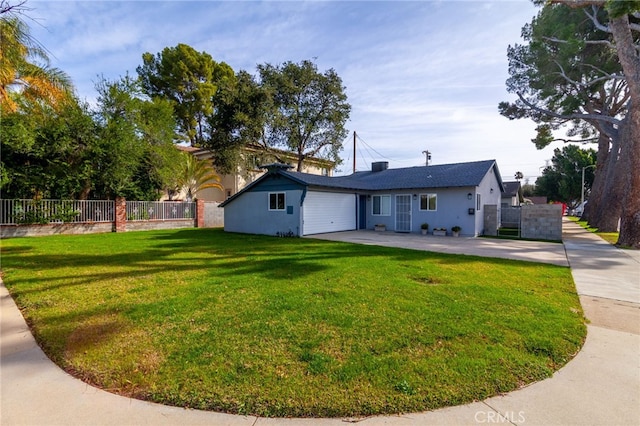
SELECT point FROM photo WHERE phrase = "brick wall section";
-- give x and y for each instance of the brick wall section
(491, 220)
(542, 221)
(120, 215)
(199, 213)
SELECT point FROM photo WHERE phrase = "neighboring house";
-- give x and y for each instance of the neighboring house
(512, 195)
(249, 171)
(291, 203)
(536, 200)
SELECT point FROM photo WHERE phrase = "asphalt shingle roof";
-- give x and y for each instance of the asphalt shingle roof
(424, 177)
(438, 176)
(511, 188)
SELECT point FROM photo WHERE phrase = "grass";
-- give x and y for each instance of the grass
(290, 327)
(610, 237)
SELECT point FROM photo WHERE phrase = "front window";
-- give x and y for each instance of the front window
(276, 201)
(478, 202)
(428, 202)
(382, 205)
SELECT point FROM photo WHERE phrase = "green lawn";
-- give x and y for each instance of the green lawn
(610, 237)
(290, 327)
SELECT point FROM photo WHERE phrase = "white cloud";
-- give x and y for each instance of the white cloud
(419, 75)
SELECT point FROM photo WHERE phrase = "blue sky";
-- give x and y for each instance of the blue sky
(423, 75)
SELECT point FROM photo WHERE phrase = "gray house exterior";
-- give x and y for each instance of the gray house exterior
(283, 202)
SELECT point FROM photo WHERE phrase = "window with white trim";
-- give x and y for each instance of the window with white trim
(478, 202)
(428, 202)
(276, 201)
(381, 205)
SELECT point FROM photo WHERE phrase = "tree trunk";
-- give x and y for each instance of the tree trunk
(597, 189)
(630, 145)
(630, 153)
(607, 214)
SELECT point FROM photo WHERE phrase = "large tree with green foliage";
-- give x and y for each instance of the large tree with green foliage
(47, 152)
(310, 110)
(123, 148)
(562, 180)
(189, 79)
(243, 108)
(135, 154)
(570, 74)
(566, 78)
(624, 26)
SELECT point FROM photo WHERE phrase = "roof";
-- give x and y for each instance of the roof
(439, 176)
(286, 155)
(511, 189)
(408, 178)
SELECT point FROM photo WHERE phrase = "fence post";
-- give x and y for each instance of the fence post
(120, 215)
(199, 213)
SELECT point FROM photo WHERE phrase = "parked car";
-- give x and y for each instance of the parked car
(579, 209)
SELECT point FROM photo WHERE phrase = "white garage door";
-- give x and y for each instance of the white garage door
(328, 212)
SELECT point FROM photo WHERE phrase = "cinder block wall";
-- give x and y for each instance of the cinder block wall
(491, 220)
(510, 217)
(213, 215)
(542, 221)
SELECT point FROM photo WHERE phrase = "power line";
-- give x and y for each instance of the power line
(373, 149)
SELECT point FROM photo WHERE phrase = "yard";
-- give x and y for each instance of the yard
(290, 327)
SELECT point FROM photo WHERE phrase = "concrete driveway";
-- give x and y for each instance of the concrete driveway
(533, 251)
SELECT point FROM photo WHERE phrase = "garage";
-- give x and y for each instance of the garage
(328, 212)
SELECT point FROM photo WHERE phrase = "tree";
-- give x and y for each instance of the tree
(25, 70)
(135, 156)
(47, 153)
(528, 190)
(565, 77)
(562, 181)
(569, 75)
(624, 26)
(310, 110)
(189, 79)
(194, 175)
(242, 110)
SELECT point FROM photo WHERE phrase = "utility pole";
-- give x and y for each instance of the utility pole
(354, 151)
(427, 157)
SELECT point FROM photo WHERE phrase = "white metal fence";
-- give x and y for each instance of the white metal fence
(28, 212)
(160, 210)
(22, 212)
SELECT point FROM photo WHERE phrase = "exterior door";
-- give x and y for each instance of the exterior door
(362, 212)
(403, 213)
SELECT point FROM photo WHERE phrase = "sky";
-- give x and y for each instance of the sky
(419, 75)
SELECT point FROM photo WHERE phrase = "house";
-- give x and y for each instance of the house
(282, 202)
(536, 200)
(249, 170)
(512, 195)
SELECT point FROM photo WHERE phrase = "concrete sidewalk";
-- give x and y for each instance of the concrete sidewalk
(600, 386)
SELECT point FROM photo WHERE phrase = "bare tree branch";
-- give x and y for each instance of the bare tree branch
(594, 19)
(18, 8)
(596, 117)
(593, 42)
(584, 141)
